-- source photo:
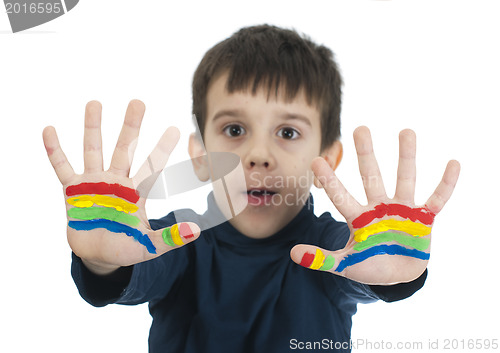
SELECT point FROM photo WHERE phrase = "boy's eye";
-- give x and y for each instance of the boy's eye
(288, 133)
(234, 130)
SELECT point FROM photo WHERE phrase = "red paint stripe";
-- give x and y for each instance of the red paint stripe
(105, 189)
(307, 259)
(185, 231)
(421, 214)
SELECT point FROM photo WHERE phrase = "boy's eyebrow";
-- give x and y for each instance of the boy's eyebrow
(293, 116)
(235, 113)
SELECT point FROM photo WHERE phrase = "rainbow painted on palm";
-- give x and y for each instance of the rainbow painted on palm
(93, 209)
(84, 201)
(409, 227)
(371, 234)
(102, 188)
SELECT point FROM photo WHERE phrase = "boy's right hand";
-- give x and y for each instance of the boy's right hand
(107, 223)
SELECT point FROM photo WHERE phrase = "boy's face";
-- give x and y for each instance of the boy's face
(276, 142)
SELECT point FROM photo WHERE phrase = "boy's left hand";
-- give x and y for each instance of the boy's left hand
(390, 238)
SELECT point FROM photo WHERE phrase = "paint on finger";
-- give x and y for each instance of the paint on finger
(307, 259)
(328, 264)
(174, 235)
(317, 261)
(185, 231)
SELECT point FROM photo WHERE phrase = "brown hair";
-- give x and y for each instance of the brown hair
(269, 56)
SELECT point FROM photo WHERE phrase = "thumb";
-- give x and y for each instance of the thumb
(315, 258)
(175, 236)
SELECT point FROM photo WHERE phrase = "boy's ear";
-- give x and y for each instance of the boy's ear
(333, 156)
(198, 158)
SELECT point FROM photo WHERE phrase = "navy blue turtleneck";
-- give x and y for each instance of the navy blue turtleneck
(226, 292)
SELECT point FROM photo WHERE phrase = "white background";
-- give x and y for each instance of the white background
(427, 65)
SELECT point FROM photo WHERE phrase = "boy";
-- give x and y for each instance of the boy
(273, 98)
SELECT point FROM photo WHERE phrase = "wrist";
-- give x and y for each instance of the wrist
(100, 269)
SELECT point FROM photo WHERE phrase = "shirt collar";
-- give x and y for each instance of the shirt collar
(227, 233)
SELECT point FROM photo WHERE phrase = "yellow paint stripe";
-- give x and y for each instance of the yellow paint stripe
(409, 227)
(84, 201)
(175, 235)
(319, 258)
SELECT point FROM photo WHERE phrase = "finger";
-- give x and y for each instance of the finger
(92, 140)
(175, 236)
(127, 141)
(315, 258)
(156, 161)
(337, 193)
(405, 186)
(366, 266)
(368, 167)
(445, 188)
(57, 158)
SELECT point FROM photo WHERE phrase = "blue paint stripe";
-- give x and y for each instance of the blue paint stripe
(114, 227)
(355, 258)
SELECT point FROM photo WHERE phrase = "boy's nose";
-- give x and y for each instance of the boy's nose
(265, 164)
(260, 156)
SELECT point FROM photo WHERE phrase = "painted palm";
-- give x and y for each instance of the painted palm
(107, 222)
(389, 238)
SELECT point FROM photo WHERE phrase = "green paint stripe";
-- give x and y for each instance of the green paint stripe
(167, 237)
(105, 213)
(328, 264)
(404, 239)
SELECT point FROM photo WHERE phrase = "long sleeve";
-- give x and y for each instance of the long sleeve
(99, 290)
(399, 291)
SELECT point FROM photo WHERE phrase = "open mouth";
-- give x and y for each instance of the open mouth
(260, 192)
(260, 197)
